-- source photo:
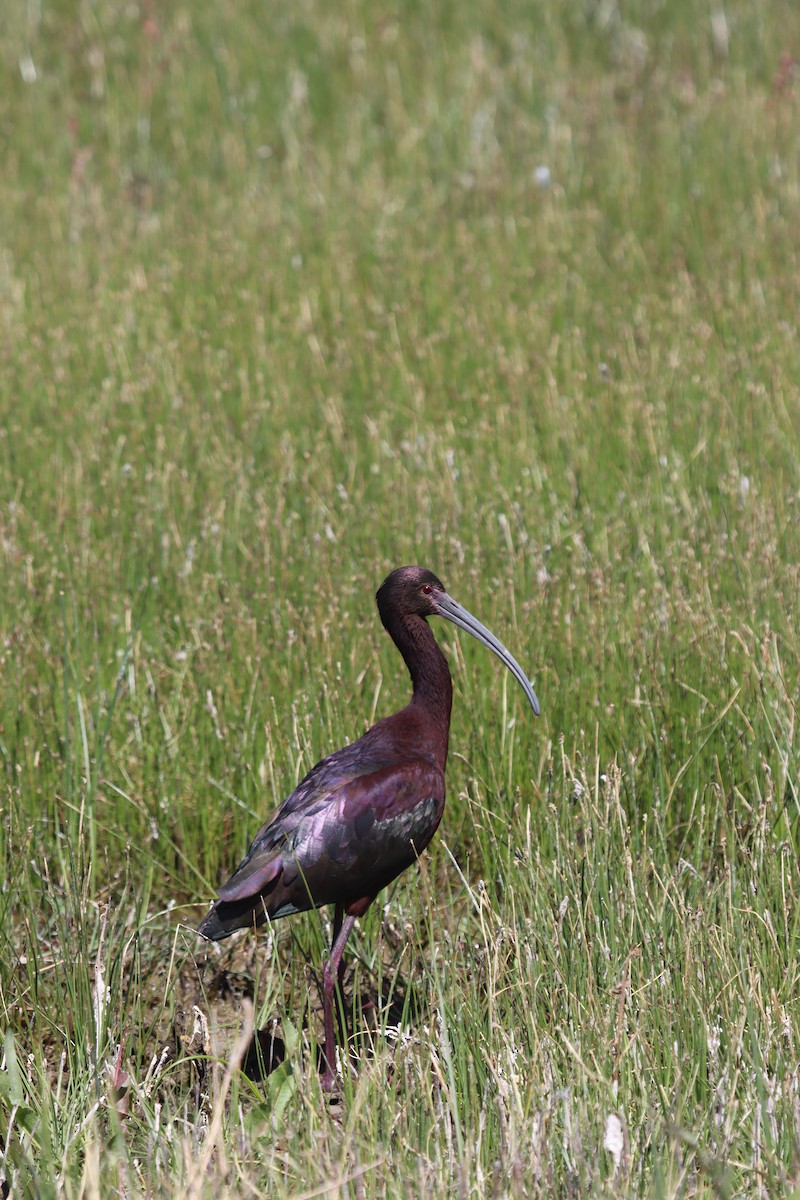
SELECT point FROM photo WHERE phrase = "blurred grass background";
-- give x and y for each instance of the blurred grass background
(291, 296)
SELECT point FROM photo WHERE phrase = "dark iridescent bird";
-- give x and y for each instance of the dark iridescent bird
(364, 814)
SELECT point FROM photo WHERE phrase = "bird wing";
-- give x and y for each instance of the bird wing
(345, 832)
(377, 825)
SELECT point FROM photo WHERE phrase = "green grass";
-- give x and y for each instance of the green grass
(282, 306)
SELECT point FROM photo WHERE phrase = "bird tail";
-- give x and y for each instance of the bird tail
(223, 919)
(247, 899)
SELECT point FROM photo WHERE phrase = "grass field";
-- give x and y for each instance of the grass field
(294, 294)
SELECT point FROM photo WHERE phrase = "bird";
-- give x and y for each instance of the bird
(365, 813)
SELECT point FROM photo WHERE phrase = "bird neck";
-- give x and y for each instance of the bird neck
(427, 666)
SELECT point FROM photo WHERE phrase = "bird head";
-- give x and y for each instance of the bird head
(415, 591)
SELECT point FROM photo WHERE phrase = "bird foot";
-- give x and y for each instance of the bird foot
(328, 1081)
(328, 1068)
(330, 1077)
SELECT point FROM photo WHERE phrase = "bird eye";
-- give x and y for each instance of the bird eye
(427, 589)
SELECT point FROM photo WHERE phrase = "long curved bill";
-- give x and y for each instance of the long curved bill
(453, 611)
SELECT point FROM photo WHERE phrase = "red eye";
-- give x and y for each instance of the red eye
(427, 589)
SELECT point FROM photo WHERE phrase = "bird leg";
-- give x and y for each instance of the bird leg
(331, 976)
(338, 917)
